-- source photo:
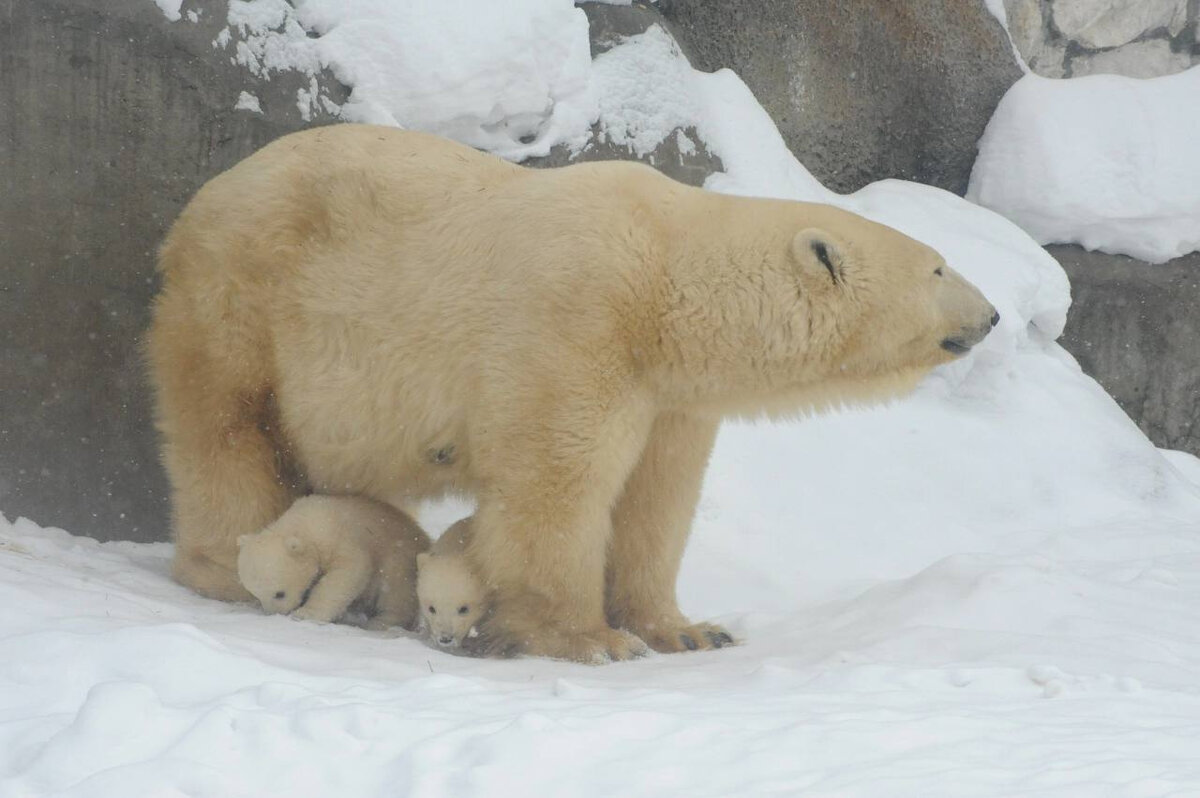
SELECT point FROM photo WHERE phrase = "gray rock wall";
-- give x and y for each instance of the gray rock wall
(1135, 328)
(1136, 38)
(864, 89)
(110, 118)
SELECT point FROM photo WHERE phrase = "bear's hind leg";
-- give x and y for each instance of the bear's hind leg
(224, 484)
(219, 453)
(651, 522)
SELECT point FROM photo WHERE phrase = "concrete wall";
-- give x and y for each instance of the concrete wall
(1135, 328)
(110, 118)
(862, 90)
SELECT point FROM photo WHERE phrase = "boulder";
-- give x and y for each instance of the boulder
(1027, 25)
(1111, 23)
(865, 89)
(1145, 59)
(1134, 328)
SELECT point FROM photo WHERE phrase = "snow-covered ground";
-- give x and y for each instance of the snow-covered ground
(989, 589)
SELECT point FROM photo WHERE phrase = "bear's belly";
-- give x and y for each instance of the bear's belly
(377, 440)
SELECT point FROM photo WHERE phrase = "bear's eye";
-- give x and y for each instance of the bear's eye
(463, 610)
(280, 594)
(938, 271)
(432, 611)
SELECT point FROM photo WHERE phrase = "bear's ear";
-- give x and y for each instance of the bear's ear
(242, 540)
(818, 252)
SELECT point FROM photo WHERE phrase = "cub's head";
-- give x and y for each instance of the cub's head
(279, 568)
(452, 597)
(818, 304)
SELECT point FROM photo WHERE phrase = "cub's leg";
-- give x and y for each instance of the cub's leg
(397, 604)
(346, 578)
(651, 522)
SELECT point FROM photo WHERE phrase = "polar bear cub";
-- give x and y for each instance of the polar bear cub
(451, 595)
(329, 554)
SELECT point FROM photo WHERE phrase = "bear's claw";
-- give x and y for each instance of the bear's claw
(670, 638)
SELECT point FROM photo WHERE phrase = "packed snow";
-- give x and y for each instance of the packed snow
(1104, 161)
(991, 588)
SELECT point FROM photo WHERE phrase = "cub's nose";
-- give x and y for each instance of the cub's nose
(445, 640)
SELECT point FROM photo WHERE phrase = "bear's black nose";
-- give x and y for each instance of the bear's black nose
(445, 640)
(995, 318)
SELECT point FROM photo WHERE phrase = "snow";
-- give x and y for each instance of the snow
(511, 77)
(1104, 161)
(170, 9)
(991, 588)
(247, 102)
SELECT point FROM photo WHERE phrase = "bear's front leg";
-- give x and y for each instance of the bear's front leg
(542, 531)
(651, 523)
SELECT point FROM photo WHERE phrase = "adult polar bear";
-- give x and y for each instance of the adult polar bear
(358, 309)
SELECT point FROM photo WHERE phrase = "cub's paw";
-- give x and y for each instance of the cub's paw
(669, 638)
(378, 625)
(304, 613)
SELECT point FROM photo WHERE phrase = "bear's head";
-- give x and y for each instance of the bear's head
(809, 305)
(452, 597)
(278, 567)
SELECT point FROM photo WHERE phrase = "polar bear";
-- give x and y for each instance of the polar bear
(451, 595)
(329, 554)
(361, 309)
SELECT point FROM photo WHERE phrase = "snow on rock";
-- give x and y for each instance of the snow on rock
(640, 112)
(170, 9)
(511, 77)
(247, 102)
(1107, 162)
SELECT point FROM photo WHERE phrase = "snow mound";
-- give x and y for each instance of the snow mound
(1104, 161)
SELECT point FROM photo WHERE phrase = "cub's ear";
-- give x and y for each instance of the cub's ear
(293, 544)
(818, 253)
(422, 558)
(243, 539)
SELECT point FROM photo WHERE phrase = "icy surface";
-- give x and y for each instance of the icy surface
(1108, 162)
(991, 588)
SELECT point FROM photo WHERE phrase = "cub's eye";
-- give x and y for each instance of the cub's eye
(280, 594)
(938, 271)
(463, 610)
(432, 611)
